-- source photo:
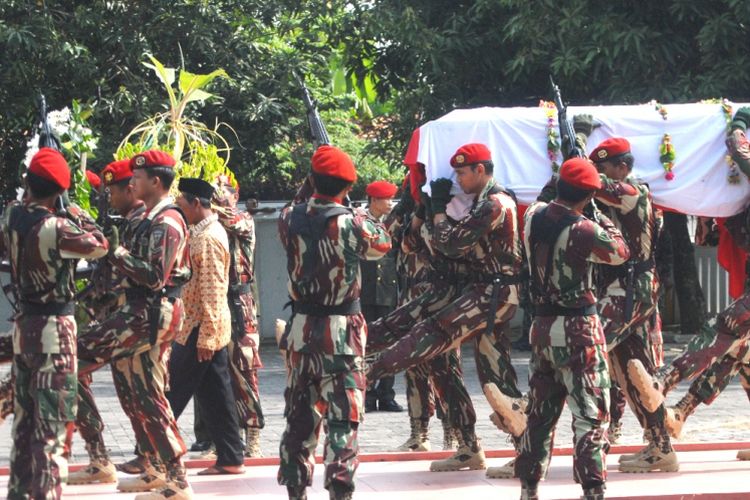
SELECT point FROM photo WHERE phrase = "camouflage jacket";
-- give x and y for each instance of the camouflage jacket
(127, 228)
(570, 281)
(412, 266)
(629, 205)
(739, 147)
(156, 256)
(42, 269)
(487, 239)
(347, 238)
(240, 228)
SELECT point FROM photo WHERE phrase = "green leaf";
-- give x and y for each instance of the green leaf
(190, 82)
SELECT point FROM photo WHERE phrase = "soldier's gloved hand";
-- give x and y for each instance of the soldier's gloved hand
(584, 124)
(405, 203)
(741, 119)
(441, 194)
(113, 237)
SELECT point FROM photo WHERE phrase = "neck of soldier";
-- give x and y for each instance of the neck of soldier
(50, 202)
(129, 208)
(153, 199)
(575, 207)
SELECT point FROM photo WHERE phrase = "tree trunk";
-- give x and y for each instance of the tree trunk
(685, 273)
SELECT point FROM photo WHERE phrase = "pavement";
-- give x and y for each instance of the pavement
(727, 419)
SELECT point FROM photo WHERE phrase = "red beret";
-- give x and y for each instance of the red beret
(610, 148)
(469, 154)
(152, 158)
(49, 164)
(381, 189)
(117, 171)
(94, 180)
(331, 161)
(580, 173)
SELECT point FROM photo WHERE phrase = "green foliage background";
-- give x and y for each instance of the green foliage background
(380, 68)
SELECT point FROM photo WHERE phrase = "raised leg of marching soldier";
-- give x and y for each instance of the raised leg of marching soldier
(617, 403)
(44, 407)
(579, 376)
(319, 387)
(6, 397)
(91, 427)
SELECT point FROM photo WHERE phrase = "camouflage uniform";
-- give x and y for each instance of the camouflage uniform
(569, 359)
(325, 352)
(155, 265)
(6, 384)
(44, 363)
(487, 246)
(629, 205)
(88, 419)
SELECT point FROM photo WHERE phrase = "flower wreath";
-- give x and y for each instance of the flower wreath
(553, 136)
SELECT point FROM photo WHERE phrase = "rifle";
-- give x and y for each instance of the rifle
(567, 133)
(317, 129)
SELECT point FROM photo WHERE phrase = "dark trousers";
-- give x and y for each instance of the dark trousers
(209, 383)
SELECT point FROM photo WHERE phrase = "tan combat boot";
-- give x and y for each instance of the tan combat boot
(650, 388)
(507, 471)
(252, 443)
(450, 440)
(510, 412)
(418, 440)
(151, 478)
(743, 455)
(468, 456)
(176, 488)
(99, 471)
(653, 460)
(676, 415)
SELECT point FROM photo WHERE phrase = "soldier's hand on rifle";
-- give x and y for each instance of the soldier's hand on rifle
(205, 354)
(113, 237)
(584, 124)
(741, 119)
(441, 195)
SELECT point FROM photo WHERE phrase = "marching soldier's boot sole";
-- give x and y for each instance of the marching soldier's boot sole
(512, 418)
(507, 471)
(743, 455)
(649, 389)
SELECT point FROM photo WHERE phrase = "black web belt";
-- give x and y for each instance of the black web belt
(50, 309)
(312, 309)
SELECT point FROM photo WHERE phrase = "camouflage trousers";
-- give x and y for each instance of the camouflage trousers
(141, 374)
(6, 348)
(629, 339)
(6, 396)
(244, 361)
(422, 397)
(44, 406)
(707, 387)
(89, 422)
(464, 317)
(717, 338)
(322, 388)
(579, 376)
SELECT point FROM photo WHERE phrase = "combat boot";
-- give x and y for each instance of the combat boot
(99, 471)
(507, 471)
(151, 478)
(468, 456)
(614, 432)
(510, 412)
(651, 388)
(136, 465)
(340, 493)
(450, 441)
(593, 493)
(296, 492)
(418, 440)
(653, 460)
(252, 443)
(176, 488)
(743, 455)
(676, 415)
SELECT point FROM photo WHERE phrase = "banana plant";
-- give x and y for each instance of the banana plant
(200, 151)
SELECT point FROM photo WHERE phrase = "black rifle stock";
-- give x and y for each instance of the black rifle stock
(567, 133)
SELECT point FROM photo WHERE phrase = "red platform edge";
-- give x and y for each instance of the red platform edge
(437, 455)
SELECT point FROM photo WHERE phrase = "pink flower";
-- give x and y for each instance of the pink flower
(669, 176)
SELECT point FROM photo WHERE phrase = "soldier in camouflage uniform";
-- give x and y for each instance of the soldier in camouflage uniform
(630, 293)
(486, 246)
(6, 384)
(116, 178)
(326, 336)
(155, 265)
(723, 336)
(569, 358)
(43, 248)
(244, 357)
